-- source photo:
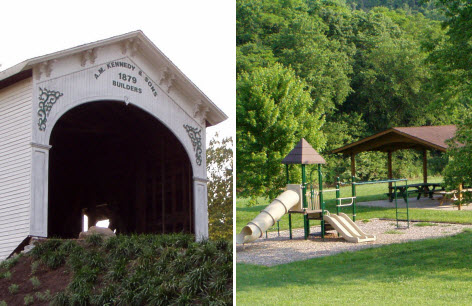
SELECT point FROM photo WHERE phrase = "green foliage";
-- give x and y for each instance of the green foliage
(409, 7)
(364, 70)
(43, 296)
(34, 267)
(459, 168)
(220, 188)
(50, 253)
(35, 282)
(274, 111)
(288, 32)
(147, 270)
(28, 299)
(5, 274)
(94, 240)
(10, 263)
(451, 55)
(13, 288)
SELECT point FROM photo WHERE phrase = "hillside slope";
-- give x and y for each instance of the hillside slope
(123, 270)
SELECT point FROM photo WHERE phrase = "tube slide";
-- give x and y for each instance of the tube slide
(347, 228)
(268, 216)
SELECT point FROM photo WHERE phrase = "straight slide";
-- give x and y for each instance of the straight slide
(268, 216)
(347, 228)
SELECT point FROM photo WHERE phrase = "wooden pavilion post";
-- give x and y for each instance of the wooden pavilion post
(425, 167)
(353, 164)
(390, 174)
(425, 171)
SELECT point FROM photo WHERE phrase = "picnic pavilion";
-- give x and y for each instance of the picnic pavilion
(421, 138)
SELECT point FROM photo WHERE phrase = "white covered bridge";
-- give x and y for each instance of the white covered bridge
(108, 130)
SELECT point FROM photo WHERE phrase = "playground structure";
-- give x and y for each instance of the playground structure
(295, 201)
(268, 216)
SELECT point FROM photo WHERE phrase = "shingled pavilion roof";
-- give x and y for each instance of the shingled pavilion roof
(397, 138)
(303, 153)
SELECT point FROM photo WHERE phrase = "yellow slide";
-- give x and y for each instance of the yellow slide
(347, 228)
(268, 216)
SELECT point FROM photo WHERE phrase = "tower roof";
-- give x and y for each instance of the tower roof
(303, 153)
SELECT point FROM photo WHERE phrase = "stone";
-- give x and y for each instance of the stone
(102, 231)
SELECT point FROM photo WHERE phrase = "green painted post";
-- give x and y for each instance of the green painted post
(396, 203)
(305, 204)
(290, 224)
(353, 200)
(320, 182)
(286, 174)
(407, 208)
(338, 195)
(289, 214)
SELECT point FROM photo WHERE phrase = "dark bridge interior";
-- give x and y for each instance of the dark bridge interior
(114, 161)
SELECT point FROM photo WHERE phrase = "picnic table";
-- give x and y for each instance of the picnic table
(420, 188)
(451, 196)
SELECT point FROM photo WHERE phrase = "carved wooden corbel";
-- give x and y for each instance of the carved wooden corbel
(88, 56)
(200, 111)
(167, 79)
(44, 68)
(130, 46)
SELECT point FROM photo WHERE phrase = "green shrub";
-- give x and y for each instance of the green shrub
(143, 270)
(6, 274)
(94, 240)
(10, 263)
(34, 267)
(28, 299)
(43, 296)
(60, 299)
(35, 282)
(50, 253)
(13, 288)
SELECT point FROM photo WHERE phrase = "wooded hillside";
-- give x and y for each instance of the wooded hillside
(337, 71)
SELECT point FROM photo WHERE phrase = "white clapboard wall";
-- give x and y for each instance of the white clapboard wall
(15, 164)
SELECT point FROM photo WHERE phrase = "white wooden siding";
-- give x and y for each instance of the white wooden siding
(15, 164)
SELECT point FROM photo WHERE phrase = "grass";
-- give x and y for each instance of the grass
(421, 224)
(427, 272)
(365, 193)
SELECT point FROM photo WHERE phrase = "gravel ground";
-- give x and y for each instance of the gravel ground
(280, 250)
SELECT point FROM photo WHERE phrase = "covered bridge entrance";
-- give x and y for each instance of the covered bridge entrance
(116, 162)
(112, 130)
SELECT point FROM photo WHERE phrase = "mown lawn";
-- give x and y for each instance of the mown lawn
(428, 272)
(365, 193)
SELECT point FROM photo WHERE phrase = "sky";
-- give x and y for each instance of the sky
(199, 37)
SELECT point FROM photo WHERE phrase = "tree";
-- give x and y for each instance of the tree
(292, 33)
(220, 188)
(459, 168)
(273, 112)
(453, 54)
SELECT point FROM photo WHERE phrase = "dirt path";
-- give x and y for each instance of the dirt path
(280, 250)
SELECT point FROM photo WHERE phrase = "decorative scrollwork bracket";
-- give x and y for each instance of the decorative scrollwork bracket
(195, 135)
(47, 99)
